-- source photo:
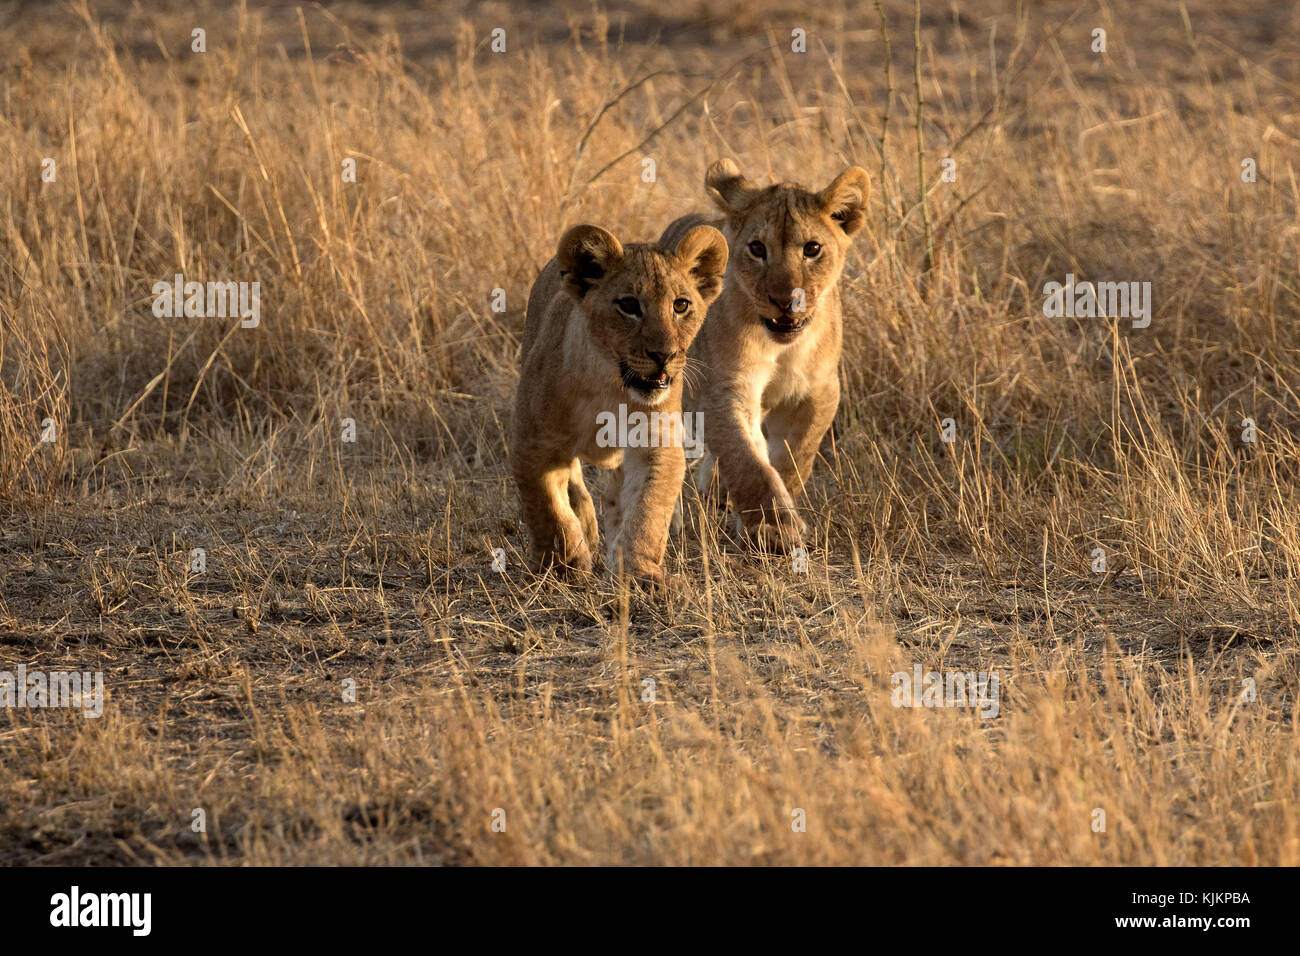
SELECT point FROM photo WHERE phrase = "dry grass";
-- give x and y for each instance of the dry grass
(371, 561)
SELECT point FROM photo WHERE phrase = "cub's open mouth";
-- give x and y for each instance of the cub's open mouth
(785, 327)
(660, 380)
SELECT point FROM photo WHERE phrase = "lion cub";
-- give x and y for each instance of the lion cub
(607, 334)
(770, 350)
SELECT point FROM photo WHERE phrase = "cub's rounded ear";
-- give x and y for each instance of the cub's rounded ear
(730, 191)
(703, 253)
(586, 254)
(845, 200)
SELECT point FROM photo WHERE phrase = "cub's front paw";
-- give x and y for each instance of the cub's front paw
(575, 564)
(644, 573)
(778, 534)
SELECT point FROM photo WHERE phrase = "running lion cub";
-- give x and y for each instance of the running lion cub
(608, 325)
(770, 350)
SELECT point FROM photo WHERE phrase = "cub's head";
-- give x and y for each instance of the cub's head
(643, 302)
(788, 244)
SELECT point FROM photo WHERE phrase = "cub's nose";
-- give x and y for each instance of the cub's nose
(660, 358)
(783, 303)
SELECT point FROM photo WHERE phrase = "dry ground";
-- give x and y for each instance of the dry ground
(371, 562)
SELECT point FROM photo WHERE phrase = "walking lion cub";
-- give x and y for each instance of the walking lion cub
(770, 350)
(608, 325)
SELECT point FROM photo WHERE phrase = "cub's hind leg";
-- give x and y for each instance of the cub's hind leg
(612, 501)
(583, 507)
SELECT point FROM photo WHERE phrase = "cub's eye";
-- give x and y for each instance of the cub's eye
(681, 306)
(811, 250)
(758, 250)
(628, 305)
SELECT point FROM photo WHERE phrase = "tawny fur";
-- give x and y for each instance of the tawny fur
(583, 353)
(782, 381)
